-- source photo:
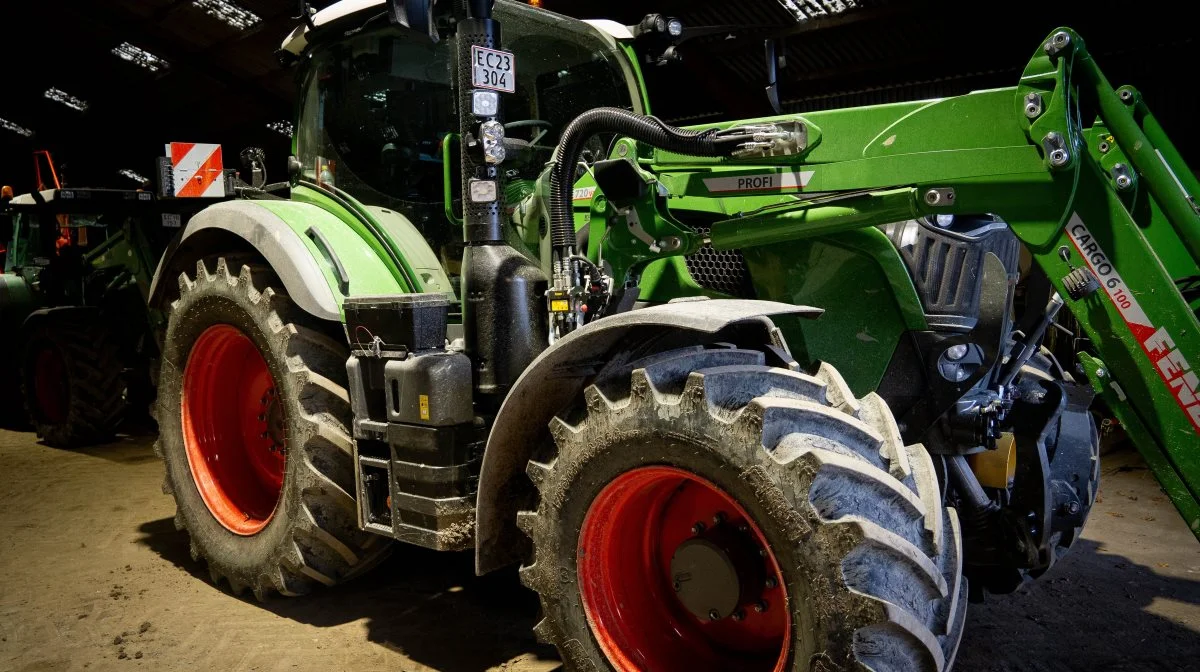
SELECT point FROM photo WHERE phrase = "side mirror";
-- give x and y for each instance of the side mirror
(295, 170)
(771, 47)
(415, 14)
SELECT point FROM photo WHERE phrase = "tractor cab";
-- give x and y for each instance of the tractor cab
(379, 112)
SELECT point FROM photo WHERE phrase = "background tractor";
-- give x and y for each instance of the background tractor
(502, 308)
(77, 273)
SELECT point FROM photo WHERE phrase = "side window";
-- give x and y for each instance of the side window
(374, 115)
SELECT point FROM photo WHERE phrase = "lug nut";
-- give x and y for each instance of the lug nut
(743, 528)
(760, 606)
(771, 582)
(718, 518)
(698, 528)
(738, 615)
(714, 615)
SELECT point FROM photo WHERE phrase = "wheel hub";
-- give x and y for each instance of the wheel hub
(273, 426)
(673, 574)
(234, 429)
(50, 386)
(718, 574)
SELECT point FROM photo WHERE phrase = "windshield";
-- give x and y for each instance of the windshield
(39, 236)
(377, 106)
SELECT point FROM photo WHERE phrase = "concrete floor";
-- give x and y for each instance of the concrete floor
(94, 576)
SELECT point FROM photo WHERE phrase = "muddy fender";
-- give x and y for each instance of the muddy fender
(555, 379)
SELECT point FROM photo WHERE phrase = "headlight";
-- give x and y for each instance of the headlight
(674, 27)
(482, 191)
(485, 103)
(492, 135)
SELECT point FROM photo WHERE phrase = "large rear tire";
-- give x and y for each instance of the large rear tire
(709, 512)
(72, 381)
(253, 414)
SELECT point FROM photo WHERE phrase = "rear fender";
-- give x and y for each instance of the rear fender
(554, 381)
(318, 259)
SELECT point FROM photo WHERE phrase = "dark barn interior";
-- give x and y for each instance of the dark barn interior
(200, 76)
(787, 394)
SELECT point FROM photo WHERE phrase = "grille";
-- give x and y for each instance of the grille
(719, 270)
(947, 267)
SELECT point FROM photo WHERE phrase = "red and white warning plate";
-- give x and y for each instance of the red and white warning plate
(197, 169)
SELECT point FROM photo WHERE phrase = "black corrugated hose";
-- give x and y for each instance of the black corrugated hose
(649, 130)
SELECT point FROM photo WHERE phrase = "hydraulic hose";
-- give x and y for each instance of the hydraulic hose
(978, 510)
(649, 130)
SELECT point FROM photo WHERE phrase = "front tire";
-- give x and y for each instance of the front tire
(253, 415)
(812, 537)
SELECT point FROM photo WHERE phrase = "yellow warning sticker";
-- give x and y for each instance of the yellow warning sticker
(423, 400)
(560, 305)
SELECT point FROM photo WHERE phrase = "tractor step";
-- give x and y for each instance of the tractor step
(417, 444)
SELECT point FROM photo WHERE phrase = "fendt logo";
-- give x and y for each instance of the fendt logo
(1157, 343)
(1175, 369)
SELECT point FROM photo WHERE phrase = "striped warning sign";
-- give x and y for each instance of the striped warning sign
(197, 169)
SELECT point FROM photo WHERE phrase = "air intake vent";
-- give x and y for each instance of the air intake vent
(720, 270)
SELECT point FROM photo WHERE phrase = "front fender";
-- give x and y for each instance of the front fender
(317, 258)
(555, 380)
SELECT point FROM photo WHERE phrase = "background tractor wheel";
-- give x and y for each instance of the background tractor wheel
(709, 512)
(253, 416)
(72, 381)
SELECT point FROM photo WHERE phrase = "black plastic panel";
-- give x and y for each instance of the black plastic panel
(946, 263)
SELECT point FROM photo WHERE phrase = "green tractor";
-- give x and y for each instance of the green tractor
(77, 272)
(762, 395)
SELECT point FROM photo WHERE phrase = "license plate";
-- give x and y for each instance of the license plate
(492, 69)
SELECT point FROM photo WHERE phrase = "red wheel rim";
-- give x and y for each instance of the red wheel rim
(50, 386)
(629, 536)
(233, 429)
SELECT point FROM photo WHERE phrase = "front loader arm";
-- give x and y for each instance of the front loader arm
(1116, 231)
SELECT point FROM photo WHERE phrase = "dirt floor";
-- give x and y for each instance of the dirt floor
(94, 576)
